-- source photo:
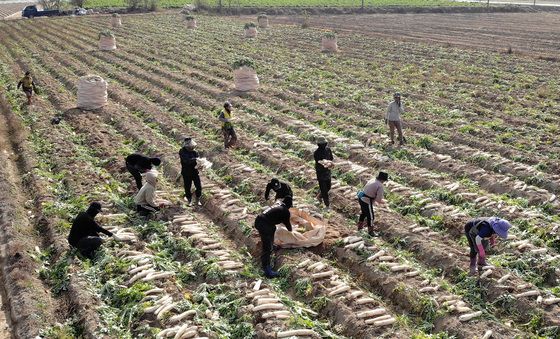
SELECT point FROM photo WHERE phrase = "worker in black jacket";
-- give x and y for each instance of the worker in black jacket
(84, 234)
(281, 189)
(266, 223)
(189, 171)
(137, 164)
(322, 169)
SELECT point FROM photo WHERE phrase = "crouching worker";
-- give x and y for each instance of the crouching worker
(145, 200)
(266, 223)
(84, 234)
(482, 232)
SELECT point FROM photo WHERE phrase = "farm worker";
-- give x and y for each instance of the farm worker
(28, 86)
(137, 164)
(371, 193)
(230, 138)
(84, 232)
(281, 189)
(480, 232)
(145, 199)
(266, 223)
(393, 118)
(189, 171)
(323, 152)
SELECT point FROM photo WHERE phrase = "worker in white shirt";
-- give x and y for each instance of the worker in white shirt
(393, 118)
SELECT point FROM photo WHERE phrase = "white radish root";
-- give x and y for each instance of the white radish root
(467, 317)
(296, 333)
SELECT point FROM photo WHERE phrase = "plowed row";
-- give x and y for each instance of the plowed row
(205, 282)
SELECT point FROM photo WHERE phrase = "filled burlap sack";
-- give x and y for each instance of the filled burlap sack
(191, 24)
(263, 22)
(107, 43)
(307, 231)
(245, 79)
(116, 21)
(92, 92)
(329, 45)
(251, 32)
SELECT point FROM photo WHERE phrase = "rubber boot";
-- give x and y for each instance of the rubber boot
(473, 266)
(370, 231)
(269, 273)
(197, 201)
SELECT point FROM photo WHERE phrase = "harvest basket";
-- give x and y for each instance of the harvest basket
(92, 92)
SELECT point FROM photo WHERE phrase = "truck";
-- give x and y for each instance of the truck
(32, 12)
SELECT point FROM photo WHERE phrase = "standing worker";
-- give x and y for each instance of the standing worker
(322, 170)
(28, 86)
(281, 189)
(266, 223)
(189, 171)
(393, 118)
(84, 234)
(480, 232)
(137, 164)
(371, 193)
(230, 138)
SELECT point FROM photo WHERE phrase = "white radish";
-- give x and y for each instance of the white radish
(319, 267)
(504, 278)
(339, 290)
(179, 317)
(411, 274)
(376, 255)
(266, 307)
(303, 263)
(257, 285)
(312, 266)
(139, 268)
(322, 275)
(486, 274)
(296, 333)
(354, 245)
(259, 292)
(551, 301)
(275, 314)
(487, 334)
(363, 301)
(385, 322)
(158, 276)
(371, 313)
(467, 317)
(527, 294)
(261, 301)
(164, 310)
(140, 275)
(399, 268)
(356, 294)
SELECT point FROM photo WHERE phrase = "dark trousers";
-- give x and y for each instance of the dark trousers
(230, 138)
(266, 231)
(146, 210)
(88, 245)
(367, 212)
(472, 242)
(188, 180)
(325, 187)
(136, 174)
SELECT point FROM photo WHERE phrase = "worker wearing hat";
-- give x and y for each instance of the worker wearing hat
(370, 194)
(480, 233)
(136, 164)
(230, 138)
(28, 86)
(393, 118)
(189, 171)
(281, 188)
(323, 152)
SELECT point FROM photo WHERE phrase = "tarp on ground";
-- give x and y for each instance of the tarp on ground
(307, 231)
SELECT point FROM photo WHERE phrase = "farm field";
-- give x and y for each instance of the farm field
(7, 9)
(482, 129)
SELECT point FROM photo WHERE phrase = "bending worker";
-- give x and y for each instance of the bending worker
(322, 170)
(370, 194)
(266, 223)
(189, 171)
(137, 164)
(482, 232)
(28, 86)
(230, 138)
(281, 189)
(84, 234)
